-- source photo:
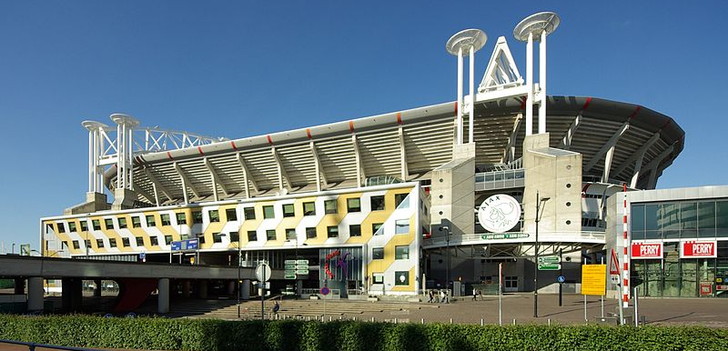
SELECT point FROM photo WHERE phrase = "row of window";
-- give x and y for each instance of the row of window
(308, 209)
(400, 278)
(680, 219)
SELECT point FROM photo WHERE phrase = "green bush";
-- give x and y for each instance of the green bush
(219, 335)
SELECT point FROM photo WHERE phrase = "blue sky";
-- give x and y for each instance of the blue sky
(242, 68)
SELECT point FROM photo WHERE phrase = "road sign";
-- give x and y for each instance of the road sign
(302, 271)
(325, 290)
(289, 276)
(593, 279)
(548, 259)
(561, 279)
(304, 262)
(549, 266)
(287, 262)
(189, 244)
(263, 272)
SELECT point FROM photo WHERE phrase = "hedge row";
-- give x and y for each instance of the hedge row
(197, 334)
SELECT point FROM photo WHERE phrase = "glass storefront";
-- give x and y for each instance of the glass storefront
(680, 220)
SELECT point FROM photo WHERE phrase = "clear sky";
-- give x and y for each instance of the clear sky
(243, 68)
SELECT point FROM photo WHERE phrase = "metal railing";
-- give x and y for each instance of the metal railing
(32, 346)
(466, 239)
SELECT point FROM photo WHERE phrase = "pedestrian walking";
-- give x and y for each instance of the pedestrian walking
(431, 296)
(475, 294)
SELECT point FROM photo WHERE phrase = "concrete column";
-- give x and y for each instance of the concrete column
(19, 286)
(97, 291)
(72, 294)
(35, 294)
(231, 288)
(203, 289)
(163, 297)
(186, 288)
(245, 289)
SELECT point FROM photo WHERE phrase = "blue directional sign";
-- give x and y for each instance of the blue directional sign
(561, 279)
(189, 244)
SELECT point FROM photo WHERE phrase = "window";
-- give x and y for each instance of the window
(249, 212)
(72, 226)
(355, 230)
(268, 212)
(234, 237)
(200, 238)
(84, 225)
(401, 200)
(270, 234)
(109, 223)
(291, 234)
(214, 216)
(309, 208)
(196, 217)
(330, 206)
(64, 245)
(353, 205)
(217, 237)
(139, 241)
(150, 221)
(378, 253)
(401, 226)
(332, 231)
(96, 224)
(288, 210)
(181, 218)
(378, 278)
(401, 252)
(231, 214)
(136, 222)
(167, 239)
(100, 243)
(401, 278)
(154, 240)
(76, 245)
(310, 232)
(125, 242)
(377, 229)
(165, 219)
(252, 235)
(112, 242)
(377, 203)
(122, 223)
(61, 227)
(511, 282)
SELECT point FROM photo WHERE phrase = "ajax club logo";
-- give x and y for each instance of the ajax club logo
(499, 213)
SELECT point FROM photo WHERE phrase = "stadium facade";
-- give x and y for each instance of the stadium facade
(386, 204)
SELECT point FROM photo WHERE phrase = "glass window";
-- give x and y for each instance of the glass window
(231, 214)
(377, 229)
(652, 228)
(291, 234)
(401, 226)
(217, 237)
(71, 227)
(310, 232)
(378, 278)
(706, 219)
(355, 230)
(165, 219)
(688, 219)
(84, 225)
(401, 278)
(96, 224)
(125, 242)
(670, 220)
(252, 235)
(154, 241)
(61, 227)
(332, 231)
(112, 242)
(401, 252)
(122, 222)
(377, 203)
(181, 218)
(109, 223)
(201, 238)
(288, 210)
(309, 208)
(151, 222)
(353, 205)
(76, 245)
(721, 218)
(401, 200)
(100, 243)
(249, 213)
(270, 234)
(268, 212)
(234, 236)
(377, 253)
(214, 216)
(136, 222)
(167, 239)
(196, 217)
(330, 206)
(139, 241)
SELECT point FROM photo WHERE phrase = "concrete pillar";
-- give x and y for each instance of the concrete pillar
(97, 291)
(163, 297)
(72, 294)
(19, 286)
(35, 294)
(186, 288)
(245, 289)
(231, 288)
(203, 289)
(453, 193)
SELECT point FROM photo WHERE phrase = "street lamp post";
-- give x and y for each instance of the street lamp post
(240, 259)
(539, 208)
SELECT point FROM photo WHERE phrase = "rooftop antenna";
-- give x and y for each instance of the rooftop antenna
(471, 40)
(536, 27)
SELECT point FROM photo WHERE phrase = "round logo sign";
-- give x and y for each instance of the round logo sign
(499, 213)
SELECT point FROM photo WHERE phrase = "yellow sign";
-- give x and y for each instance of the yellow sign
(593, 279)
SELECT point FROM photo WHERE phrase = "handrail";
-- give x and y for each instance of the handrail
(515, 237)
(33, 345)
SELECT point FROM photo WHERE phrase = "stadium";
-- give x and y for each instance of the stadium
(390, 204)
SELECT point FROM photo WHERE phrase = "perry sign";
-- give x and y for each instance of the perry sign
(646, 250)
(699, 249)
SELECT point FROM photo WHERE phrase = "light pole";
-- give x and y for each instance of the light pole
(446, 229)
(539, 209)
(240, 258)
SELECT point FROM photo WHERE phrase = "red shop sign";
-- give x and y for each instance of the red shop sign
(698, 249)
(643, 250)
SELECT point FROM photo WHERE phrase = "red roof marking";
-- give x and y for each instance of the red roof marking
(308, 133)
(270, 141)
(233, 144)
(200, 150)
(170, 156)
(634, 114)
(456, 107)
(523, 102)
(351, 126)
(586, 103)
(666, 124)
(399, 118)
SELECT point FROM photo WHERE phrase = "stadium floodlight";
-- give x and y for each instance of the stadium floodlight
(471, 40)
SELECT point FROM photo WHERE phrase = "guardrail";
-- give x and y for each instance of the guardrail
(514, 237)
(31, 346)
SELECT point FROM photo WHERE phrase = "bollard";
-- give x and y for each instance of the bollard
(372, 319)
(354, 318)
(422, 321)
(395, 321)
(481, 322)
(548, 321)
(450, 320)
(514, 321)
(330, 319)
